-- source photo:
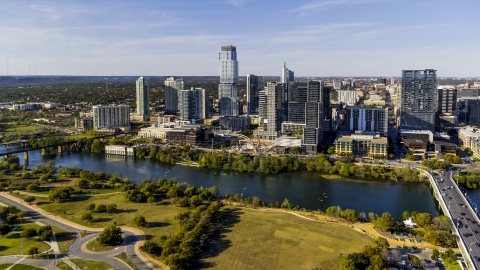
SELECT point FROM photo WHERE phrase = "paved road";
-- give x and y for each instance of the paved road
(463, 216)
(75, 250)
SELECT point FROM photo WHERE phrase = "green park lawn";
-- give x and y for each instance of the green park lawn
(124, 258)
(91, 264)
(160, 215)
(21, 128)
(13, 244)
(4, 266)
(25, 267)
(94, 245)
(276, 240)
(63, 266)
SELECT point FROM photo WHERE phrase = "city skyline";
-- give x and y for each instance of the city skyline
(181, 38)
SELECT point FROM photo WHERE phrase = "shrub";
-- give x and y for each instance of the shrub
(28, 232)
(111, 208)
(101, 208)
(87, 216)
(139, 221)
(111, 235)
(32, 250)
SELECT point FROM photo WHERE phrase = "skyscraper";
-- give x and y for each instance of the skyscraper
(419, 99)
(227, 89)
(143, 95)
(254, 86)
(286, 78)
(297, 97)
(193, 104)
(172, 88)
(110, 117)
(274, 110)
(447, 99)
(314, 110)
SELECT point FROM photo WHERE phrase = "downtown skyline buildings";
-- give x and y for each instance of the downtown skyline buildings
(227, 89)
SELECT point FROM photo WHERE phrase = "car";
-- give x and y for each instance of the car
(404, 263)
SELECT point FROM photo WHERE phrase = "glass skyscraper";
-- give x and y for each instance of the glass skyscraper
(143, 95)
(227, 89)
(254, 86)
(419, 99)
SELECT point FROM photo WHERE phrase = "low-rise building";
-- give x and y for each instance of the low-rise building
(467, 134)
(122, 150)
(84, 123)
(362, 145)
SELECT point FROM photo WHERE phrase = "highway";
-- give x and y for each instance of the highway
(463, 216)
(75, 249)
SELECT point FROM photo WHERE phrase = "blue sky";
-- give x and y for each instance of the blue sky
(183, 37)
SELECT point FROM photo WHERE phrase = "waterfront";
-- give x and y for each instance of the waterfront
(306, 189)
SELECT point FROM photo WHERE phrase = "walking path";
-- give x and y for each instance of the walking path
(134, 237)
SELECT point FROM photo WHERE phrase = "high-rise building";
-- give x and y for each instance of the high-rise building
(111, 117)
(367, 119)
(447, 99)
(193, 104)
(297, 97)
(468, 111)
(143, 96)
(262, 103)
(274, 110)
(327, 111)
(314, 116)
(287, 77)
(348, 97)
(337, 85)
(419, 99)
(254, 86)
(172, 88)
(227, 89)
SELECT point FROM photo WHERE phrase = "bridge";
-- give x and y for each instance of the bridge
(466, 223)
(58, 145)
(22, 142)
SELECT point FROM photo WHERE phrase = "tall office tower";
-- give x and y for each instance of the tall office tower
(109, 117)
(227, 89)
(172, 88)
(327, 111)
(419, 99)
(286, 78)
(193, 104)
(392, 81)
(369, 119)
(447, 99)
(468, 110)
(262, 103)
(314, 110)
(274, 110)
(297, 97)
(254, 86)
(143, 96)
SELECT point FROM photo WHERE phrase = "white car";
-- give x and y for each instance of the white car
(404, 263)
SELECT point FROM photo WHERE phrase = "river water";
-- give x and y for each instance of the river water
(303, 188)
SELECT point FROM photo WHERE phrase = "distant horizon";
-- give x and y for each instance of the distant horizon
(180, 76)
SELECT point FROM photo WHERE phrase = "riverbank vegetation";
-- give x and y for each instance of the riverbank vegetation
(469, 178)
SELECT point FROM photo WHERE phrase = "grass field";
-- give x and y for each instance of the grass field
(4, 266)
(21, 128)
(25, 267)
(64, 238)
(91, 264)
(275, 240)
(159, 215)
(123, 257)
(63, 266)
(94, 245)
(13, 244)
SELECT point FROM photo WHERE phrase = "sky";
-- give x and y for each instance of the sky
(183, 37)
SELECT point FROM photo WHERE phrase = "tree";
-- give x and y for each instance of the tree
(46, 235)
(347, 264)
(87, 216)
(28, 232)
(11, 218)
(350, 215)
(91, 207)
(386, 222)
(32, 251)
(406, 215)
(30, 199)
(100, 208)
(331, 150)
(151, 247)
(435, 254)
(4, 229)
(111, 208)
(423, 220)
(139, 221)
(151, 199)
(111, 235)
(60, 194)
(382, 243)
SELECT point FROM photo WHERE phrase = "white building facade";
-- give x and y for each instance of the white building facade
(110, 117)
